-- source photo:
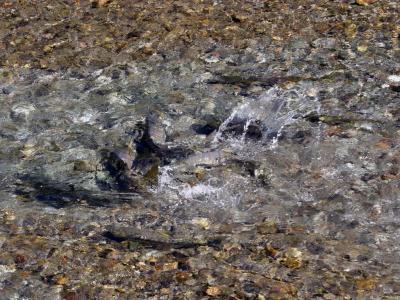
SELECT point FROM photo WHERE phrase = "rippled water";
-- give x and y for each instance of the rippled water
(118, 153)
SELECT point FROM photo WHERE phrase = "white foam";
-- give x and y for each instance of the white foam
(87, 116)
(394, 78)
(164, 178)
(192, 192)
(275, 109)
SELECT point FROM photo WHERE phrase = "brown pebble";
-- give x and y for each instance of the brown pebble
(62, 280)
(383, 144)
(19, 259)
(271, 251)
(366, 284)
(365, 2)
(213, 291)
(71, 295)
(182, 276)
(268, 227)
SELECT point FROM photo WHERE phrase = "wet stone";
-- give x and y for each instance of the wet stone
(248, 129)
(394, 82)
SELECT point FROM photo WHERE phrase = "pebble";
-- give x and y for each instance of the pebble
(202, 222)
(394, 79)
(22, 110)
(267, 227)
(213, 291)
(394, 82)
(327, 43)
(7, 269)
(72, 295)
(8, 214)
(365, 2)
(182, 276)
(366, 284)
(362, 48)
(170, 266)
(293, 258)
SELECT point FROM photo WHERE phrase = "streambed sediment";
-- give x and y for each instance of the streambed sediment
(225, 149)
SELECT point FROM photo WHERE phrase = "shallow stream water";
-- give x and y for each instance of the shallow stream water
(218, 170)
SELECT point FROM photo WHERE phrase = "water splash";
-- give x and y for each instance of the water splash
(210, 192)
(254, 122)
(271, 112)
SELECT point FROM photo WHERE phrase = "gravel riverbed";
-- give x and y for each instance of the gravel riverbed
(199, 149)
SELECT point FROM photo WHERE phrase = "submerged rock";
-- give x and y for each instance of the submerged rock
(156, 239)
(394, 82)
(248, 129)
